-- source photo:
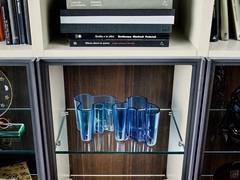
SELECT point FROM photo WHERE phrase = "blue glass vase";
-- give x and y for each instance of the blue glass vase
(94, 111)
(152, 122)
(84, 116)
(136, 113)
(99, 118)
(121, 125)
(108, 102)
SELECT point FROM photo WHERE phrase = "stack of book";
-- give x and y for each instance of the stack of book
(226, 20)
(117, 23)
(14, 22)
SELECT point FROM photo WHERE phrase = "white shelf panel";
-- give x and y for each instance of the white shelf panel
(229, 48)
(15, 50)
(179, 46)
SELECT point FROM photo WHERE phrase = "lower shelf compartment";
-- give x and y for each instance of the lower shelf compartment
(169, 140)
(120, 166)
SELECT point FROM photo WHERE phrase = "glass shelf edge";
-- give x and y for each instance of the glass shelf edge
(17, 152)
(221, 152)
(111, 152)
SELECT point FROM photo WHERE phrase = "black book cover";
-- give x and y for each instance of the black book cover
(117, 12)
(6, 22)
(118, 43)
(148, 36)
(20, 21)
(215, 22)
(13, 21)
(27, 22)
(115, 28)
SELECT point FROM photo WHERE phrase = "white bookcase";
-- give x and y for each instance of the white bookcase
(189, 39)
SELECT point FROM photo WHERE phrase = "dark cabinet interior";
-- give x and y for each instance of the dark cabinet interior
(219, 149)
(20, 149)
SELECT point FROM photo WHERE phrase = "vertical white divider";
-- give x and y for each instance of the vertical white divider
(59, 119)
(180, 105)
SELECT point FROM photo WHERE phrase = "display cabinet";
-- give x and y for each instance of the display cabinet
(20, 140)
(173, 85)
(218, 138)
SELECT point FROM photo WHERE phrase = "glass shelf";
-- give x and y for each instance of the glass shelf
(21, 145)
(105, 143)
(16, 145)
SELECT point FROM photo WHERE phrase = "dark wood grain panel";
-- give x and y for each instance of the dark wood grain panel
(153, 82)
(97, 165)
(17, 76)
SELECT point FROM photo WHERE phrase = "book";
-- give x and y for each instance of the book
(2, 33)
(20, 21)
(119, 4)
(148, 36)
(224, 20)
(215, 22)
(115, 28)
(236, 17)
(118, 43)
(13, 21)
(6, 21)
(116, 16)
(27, 22)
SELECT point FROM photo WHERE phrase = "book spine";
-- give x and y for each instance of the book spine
(215, 22)
(27, 22)
(6, 20)
(118, 43)
(2, 34)
(119, 36)
(116, 4)
(236, 16)
(13, 22)
(224, 20)
(20, 21)
(115, 28)
(117, 12)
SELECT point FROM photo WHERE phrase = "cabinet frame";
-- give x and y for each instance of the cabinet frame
(198, 74)
(35, 118)
(206, 103)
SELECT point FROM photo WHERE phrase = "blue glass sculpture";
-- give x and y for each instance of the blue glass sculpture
(84, 116)
(152, 122)
(107, 102)
(136, 118)
(93, 114)
(137, 106)
(121, 125)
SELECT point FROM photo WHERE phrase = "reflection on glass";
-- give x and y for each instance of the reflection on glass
(152, 121)
(137, 117)
(99, 120)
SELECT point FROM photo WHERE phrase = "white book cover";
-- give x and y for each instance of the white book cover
(117, 19)
(119, 4)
